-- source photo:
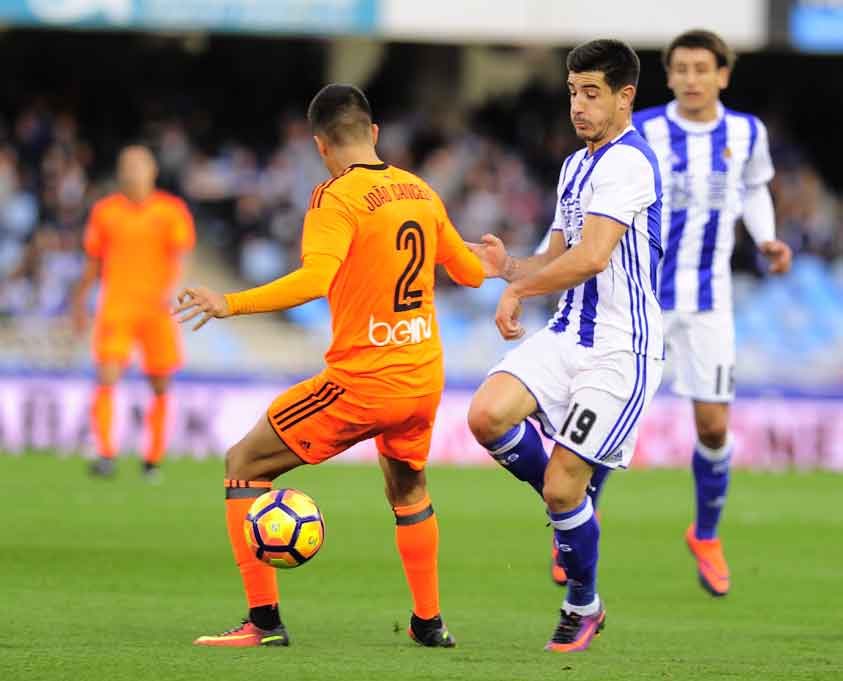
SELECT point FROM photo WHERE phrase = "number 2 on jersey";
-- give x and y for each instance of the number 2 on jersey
(410, 237)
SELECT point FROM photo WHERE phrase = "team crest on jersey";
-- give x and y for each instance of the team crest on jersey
(727, 154)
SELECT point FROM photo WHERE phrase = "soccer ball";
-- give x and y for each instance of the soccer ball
(284, 528)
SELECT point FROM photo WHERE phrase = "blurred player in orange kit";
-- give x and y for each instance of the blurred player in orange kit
(372, 238)
(135, 241)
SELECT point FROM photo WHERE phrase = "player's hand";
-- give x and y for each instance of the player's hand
(778, 254)
(78, 318)
(506, 317)
(194, 302)
(492, 254)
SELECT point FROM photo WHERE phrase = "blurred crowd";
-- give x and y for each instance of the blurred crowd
(496, 172)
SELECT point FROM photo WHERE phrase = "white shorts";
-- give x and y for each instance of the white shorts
(701, 350)
(589, 402)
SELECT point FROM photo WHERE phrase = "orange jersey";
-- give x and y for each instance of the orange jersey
(139, 246)
(389, 229)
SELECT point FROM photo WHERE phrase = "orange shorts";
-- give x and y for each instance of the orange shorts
(157, 334)
(318, 419)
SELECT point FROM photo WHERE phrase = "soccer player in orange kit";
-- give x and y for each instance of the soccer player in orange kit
(135, 241)
(372, 237)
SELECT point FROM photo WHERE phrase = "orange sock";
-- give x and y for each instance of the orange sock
(102, 412)
(417, 537)
(156, 422)
(258, 577)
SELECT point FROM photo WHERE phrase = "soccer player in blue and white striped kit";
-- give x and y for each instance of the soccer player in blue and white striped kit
(588, 376)
(715, 164)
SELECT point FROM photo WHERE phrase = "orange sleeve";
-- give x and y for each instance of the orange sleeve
(182, 231)
(311, 280)
(328, 228)
(94, 240)
(461, 264)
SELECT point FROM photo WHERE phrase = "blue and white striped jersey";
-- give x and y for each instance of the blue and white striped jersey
(706, 169)
(618, 308)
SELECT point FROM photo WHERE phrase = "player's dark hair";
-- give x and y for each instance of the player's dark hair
(340, 113)
(614, 58)
(700, 38)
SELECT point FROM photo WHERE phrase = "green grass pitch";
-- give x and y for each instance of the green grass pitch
(111, 580)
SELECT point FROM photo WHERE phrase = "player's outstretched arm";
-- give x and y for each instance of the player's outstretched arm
(460, 260)
(518, 268)
(467, 264)
(312, 280)
(498, 263)
(79, 298)
(600, 236)
(201, 302)
(492, 254)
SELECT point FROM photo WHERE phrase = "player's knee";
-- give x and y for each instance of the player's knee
(712, 422)
(712, 432)
(404, 486)
(404, 493)
(159, 384)
(108, 374)
(487, 419)
(563, 493)
(565, 486)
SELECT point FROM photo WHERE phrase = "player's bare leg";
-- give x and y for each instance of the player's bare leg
(260, 455)
(417, 539)
(250, 467)
(712, 456)
(582, 616)
(102, 417)
(498, 419)
(156, 421)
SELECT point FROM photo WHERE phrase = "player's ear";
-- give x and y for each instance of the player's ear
(320, 146)
(375, 132)
(723, 75)
(626, 97)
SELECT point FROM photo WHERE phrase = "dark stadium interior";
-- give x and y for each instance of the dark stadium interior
(232, 86)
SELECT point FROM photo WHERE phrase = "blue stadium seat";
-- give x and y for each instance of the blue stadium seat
(311, 315)
(485, 298)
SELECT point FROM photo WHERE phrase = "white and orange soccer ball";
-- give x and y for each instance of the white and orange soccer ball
(285, 528)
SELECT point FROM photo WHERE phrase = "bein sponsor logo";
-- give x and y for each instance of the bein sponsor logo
(404, 332)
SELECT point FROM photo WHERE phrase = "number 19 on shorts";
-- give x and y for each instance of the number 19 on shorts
(582, 420)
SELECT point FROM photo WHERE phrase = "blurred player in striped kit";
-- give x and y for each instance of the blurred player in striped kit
(716, 165)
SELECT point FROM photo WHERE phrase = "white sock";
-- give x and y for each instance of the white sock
(584, 610)
(716, 455)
